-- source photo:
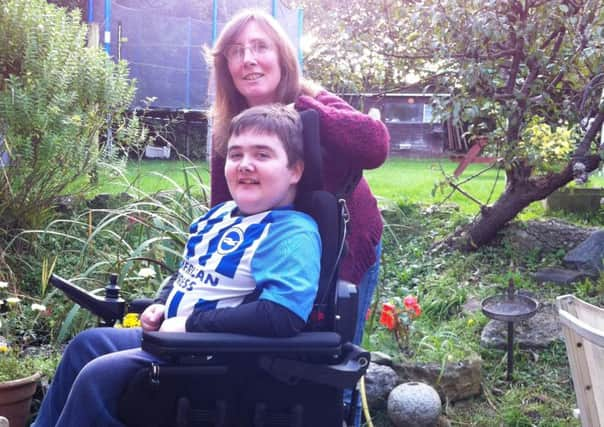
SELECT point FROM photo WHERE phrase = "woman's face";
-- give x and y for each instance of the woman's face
(254, 65)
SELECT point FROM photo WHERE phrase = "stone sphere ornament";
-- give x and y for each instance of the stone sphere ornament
(414, 404)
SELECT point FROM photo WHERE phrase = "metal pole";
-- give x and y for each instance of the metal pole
(510, 350)
(214, 21)
(300, 33)
(188, 66)
(119, 40)
(90, 11)
(107, 38)
(210, 99)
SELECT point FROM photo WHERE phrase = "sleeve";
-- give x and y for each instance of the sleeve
(260, 318)
(350, 134)
(219, 191)
(287, 265)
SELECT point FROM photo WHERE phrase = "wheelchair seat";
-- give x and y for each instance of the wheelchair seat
(223, 379)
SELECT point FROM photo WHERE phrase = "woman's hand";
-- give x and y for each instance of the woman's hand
(174, 324)
(352, 137)
(152, 317)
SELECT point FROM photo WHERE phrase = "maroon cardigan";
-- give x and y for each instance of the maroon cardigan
(350, 140)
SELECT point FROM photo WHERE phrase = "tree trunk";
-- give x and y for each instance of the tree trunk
(522, 189)
(518, 194)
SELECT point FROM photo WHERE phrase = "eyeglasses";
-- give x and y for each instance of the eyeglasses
(236, 52)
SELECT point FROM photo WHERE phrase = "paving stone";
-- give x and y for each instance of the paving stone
(561, 275)
(588, 255)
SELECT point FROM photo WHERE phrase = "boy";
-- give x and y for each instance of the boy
(258, 239)
(250, 266)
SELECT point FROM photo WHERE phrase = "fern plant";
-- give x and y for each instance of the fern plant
(56, 98)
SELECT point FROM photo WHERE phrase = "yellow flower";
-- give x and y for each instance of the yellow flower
(471, 322)
(131, 320)
(3, 347)
(13, 300)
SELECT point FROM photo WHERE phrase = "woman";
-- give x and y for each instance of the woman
(255, 63)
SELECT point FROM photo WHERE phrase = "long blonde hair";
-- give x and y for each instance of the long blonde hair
(229, 102)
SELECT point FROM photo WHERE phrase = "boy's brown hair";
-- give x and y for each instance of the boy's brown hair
(273, 119)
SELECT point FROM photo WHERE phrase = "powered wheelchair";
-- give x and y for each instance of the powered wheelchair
(223, 379)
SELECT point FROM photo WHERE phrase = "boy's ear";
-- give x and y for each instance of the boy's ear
(297, 171)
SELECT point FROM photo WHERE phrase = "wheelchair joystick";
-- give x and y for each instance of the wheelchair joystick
(112, 290)
(109, 308)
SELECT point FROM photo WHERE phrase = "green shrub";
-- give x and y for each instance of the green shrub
(56, 97)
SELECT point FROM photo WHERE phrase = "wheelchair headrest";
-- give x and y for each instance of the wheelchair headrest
(312, 178)
(324, 208)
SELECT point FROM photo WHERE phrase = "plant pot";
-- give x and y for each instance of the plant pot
(577, 200)
(15, 399)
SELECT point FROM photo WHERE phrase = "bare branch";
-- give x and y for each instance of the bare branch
(590, 135)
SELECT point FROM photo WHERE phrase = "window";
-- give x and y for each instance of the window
(427, 113)
(407, 110)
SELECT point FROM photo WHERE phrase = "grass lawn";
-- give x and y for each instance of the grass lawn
(417, 181)
(401, 180)
(155, 175)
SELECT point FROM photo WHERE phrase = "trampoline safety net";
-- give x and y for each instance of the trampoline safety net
(163, 42)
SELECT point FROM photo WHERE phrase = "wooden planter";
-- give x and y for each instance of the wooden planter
(15, 399)
(578, 200)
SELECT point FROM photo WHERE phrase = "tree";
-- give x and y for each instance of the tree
(519, 72)
(350, 44)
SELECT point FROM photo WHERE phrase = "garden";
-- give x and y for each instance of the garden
(77, 200)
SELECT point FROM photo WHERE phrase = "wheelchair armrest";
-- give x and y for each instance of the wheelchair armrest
(351, 366)
(179, 344)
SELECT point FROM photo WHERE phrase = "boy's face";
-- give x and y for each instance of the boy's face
(257, 174)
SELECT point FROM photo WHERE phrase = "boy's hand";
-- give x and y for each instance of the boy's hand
(152, 317)
(174, 324)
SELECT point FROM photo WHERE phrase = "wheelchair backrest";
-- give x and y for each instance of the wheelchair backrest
(327, 212)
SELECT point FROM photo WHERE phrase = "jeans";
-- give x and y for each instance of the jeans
(366, 289)
(96, 367)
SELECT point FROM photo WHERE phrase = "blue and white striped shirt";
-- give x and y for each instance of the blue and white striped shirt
(229, 256)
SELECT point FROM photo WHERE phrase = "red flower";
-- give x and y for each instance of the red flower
(388, 316)
(417, 309)
(411, 305)
(410, 301)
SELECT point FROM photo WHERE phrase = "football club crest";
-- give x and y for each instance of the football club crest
(230, 241)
